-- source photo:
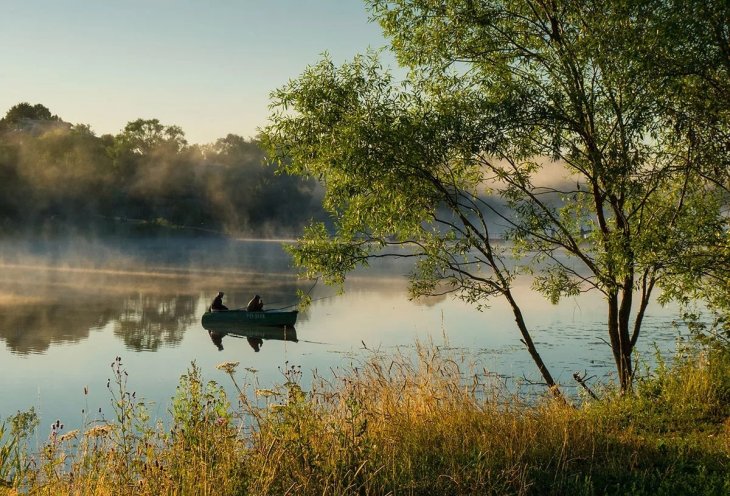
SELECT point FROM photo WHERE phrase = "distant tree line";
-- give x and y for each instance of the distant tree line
(56, 175)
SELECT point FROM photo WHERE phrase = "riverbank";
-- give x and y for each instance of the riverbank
(433, 424)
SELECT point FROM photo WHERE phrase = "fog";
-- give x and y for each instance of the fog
(148, 291)
(60, 177)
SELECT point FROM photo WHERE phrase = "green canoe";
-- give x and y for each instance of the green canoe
(244, 318)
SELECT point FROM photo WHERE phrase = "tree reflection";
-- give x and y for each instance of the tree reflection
(146, 291)
(43, 305)
(32, 329)
(149, 321)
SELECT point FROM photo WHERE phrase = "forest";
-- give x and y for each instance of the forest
(57, 176)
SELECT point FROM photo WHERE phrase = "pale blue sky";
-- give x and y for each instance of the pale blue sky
(207, 66)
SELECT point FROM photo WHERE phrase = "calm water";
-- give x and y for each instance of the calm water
(67, 309)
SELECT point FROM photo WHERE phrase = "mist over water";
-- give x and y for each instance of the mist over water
(68, 306)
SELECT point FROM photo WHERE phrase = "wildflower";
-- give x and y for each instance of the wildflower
(69, 435)
(99, 430)
(227, 367)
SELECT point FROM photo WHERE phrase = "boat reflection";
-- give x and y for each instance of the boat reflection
(254, 335)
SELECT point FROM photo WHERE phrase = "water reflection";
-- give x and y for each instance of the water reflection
(42, 305)
(254, 335)
(52, 311)
(148, 321)
(39, 308)
(217, 338)
(255, 343)
(33, 328)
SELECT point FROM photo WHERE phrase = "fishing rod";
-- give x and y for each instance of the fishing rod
(307, 294)
(239, 336)
(296, 304)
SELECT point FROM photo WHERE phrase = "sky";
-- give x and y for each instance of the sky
(207, 66)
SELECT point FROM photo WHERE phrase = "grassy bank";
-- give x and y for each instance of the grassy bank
(394, 425)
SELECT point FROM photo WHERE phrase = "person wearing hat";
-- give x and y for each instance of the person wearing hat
(217, 304)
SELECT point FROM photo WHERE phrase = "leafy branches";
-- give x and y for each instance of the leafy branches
(542, 123)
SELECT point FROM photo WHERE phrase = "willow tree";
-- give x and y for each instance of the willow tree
(499, 95)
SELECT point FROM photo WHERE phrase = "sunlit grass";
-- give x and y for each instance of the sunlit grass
(423, 423)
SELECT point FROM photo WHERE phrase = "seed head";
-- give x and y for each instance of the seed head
(227, 367)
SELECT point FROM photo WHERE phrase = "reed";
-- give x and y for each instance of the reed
(419, 423)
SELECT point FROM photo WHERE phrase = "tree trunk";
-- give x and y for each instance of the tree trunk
(624, 332)
(618, 332)
(527, 340)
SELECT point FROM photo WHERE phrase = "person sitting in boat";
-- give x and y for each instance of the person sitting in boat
(256, 304)
(217, 304)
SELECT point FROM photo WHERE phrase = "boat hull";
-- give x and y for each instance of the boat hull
(244, 318)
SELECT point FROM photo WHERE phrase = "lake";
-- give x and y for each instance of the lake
(69, 307)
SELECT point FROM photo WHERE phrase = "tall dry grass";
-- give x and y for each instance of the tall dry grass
(421, 423)
(432, 425)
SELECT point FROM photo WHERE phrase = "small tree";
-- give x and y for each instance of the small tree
(498, 94)
(23, 114)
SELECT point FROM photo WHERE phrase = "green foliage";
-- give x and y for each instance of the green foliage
(688, 396)
(55, 175)
(554, 283)
(196, 406)
(202, 434)
(14, 456)
(24, 115)
(582, 118)
(132, 431)
(144, 136)
(396, 169)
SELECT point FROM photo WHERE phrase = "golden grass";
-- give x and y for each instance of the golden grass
(429, 424)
